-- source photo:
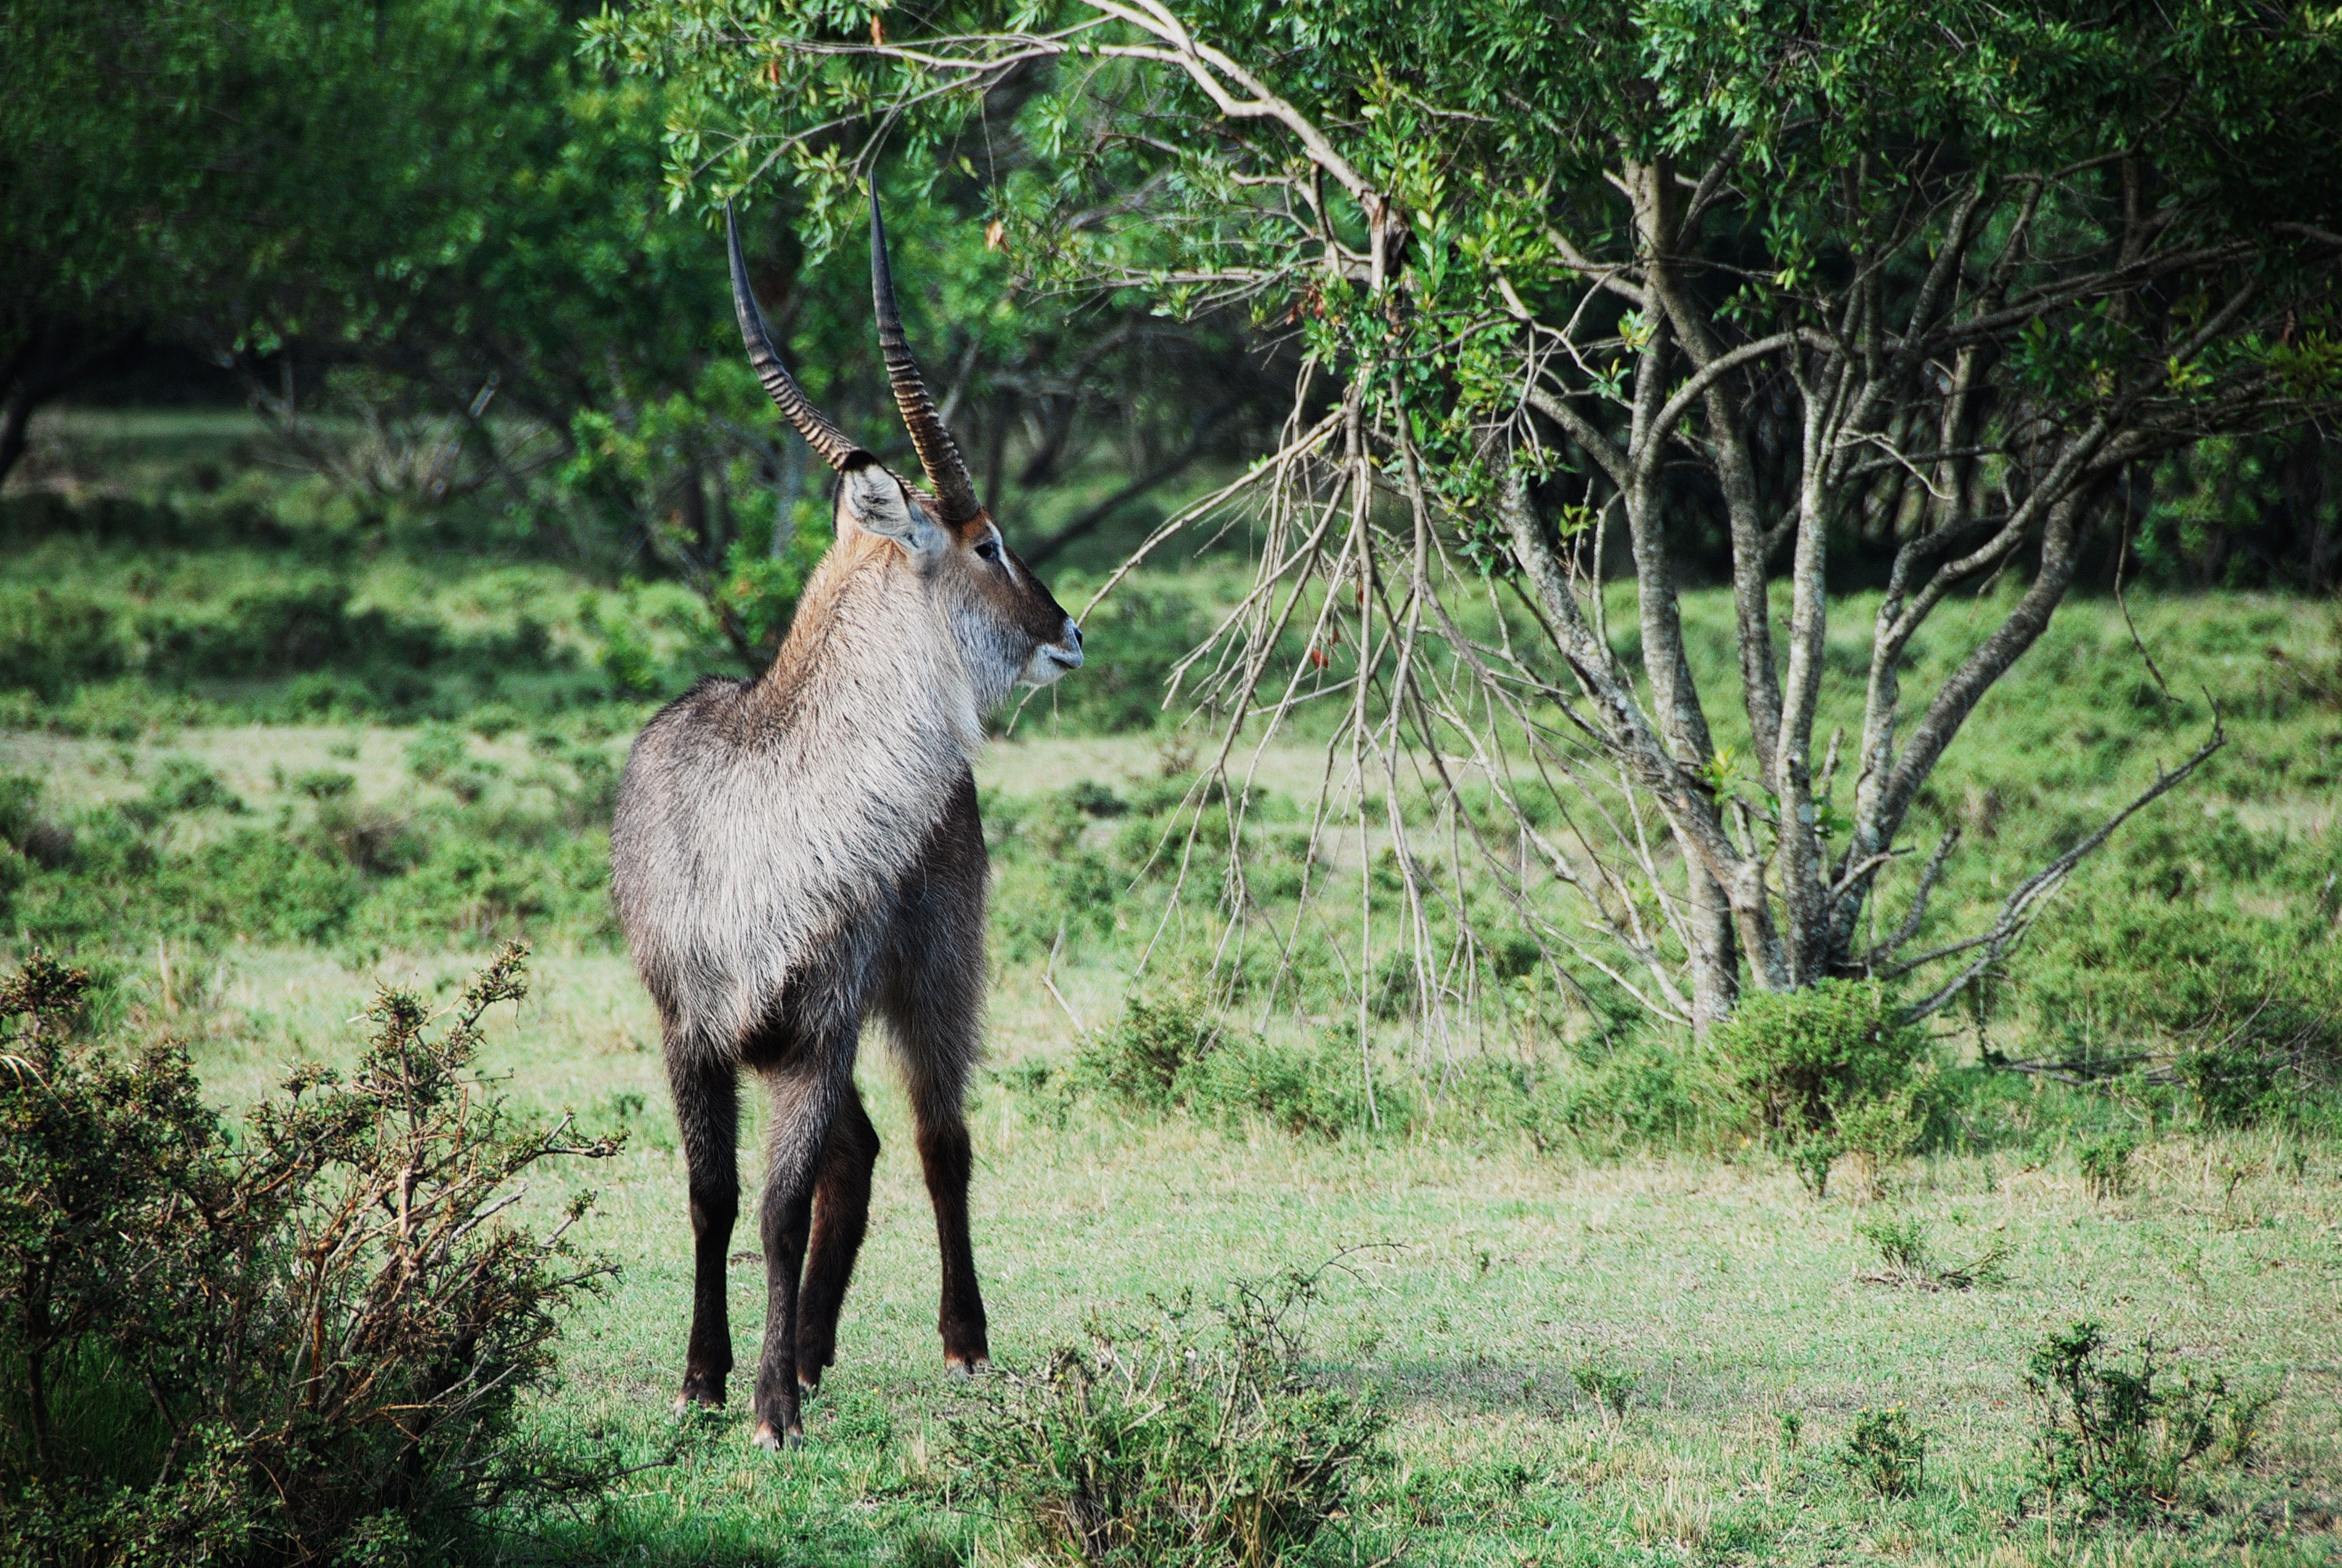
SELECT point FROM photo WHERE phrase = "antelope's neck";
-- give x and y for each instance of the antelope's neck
(868, 694)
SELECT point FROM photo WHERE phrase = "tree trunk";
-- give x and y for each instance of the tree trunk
(48, 365)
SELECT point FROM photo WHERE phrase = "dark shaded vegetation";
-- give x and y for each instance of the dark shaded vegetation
(301, 1339)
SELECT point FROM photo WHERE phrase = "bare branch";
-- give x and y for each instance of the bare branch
(2018, 913)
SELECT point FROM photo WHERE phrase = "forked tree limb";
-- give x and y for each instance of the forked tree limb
(2017, 914)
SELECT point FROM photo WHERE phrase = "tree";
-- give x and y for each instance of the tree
(1946, 278)
(435, 218)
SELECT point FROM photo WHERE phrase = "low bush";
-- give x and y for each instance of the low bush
(1316, 1087)
(1171, 1054)
(2123, 1439)
(1144, 1058)
(183, 784)
(2232, 1012)
(2105, 1163)
(1887, 1452)
(1647, 1092)
(1828, 1070)
(1612, 1389)
(1194, 1437)
(303, 1340)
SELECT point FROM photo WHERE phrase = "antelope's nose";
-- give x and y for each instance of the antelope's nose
(1073, 643)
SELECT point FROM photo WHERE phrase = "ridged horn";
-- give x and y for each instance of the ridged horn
(955, 488)
(819, 432)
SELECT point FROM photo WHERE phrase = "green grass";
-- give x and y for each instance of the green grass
(1488, 1274)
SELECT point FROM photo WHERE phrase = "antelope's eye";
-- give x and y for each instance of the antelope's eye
(989, 549)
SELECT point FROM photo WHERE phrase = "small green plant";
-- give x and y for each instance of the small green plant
(1828, 1070)
(2122, 1438)
(1903, 1249)
(1311, 1088)
(1887, 1452)
(1171, 1054)
(442, 755)
(186, 784)
(1193, 1438)
(438, 750)
(1901, 1243)
(322, 785)
(2105, 1163)
(2237, 1086)
(1611, 1389)
(1793, 1429)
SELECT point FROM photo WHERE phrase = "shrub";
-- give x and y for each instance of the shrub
(2236, 1008)
(1611, 1389)
(1171, 1055)
(1062, 895)
(38, 839)
(2105, 1163)
(437, 752)
(323, 785)
(1142, 1059)
(302, 1342)
(2120, 1439)
(1901, 1243)
(1316, 1088)
(1827, 1070)
(1643, 1094)
(1887, 1452)
(186, 784)
(1190, 1438)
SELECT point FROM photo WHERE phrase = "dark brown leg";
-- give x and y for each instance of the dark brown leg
(933, 1000)
(708, 1111)
(841, 1213)
(805, 1104)
(944, 1152)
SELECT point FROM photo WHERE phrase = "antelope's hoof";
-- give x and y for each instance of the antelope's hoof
(700, 1395)
(771, 1442)
(959, 1369)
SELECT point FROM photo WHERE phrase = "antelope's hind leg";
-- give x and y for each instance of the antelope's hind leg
(841, 1213)
(805, 1096)
(708, 1111)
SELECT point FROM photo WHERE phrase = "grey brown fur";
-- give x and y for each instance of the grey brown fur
(792, 852)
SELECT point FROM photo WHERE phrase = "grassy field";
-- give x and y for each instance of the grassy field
(1602, 1335)
(1484, 1275)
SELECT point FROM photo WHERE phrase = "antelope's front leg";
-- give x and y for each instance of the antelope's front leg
(945, 1153)
(841, 1211)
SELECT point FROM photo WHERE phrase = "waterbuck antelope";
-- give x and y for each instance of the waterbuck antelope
(789, 852)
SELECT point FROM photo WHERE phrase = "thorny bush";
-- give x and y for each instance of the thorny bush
(284, 1344)
(2122, 1440)
(1167, 1443)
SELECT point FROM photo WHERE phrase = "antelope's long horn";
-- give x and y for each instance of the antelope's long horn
(820, 435)
(938, 453)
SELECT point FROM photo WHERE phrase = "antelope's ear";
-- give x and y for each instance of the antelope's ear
(872, 500)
